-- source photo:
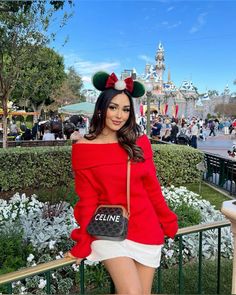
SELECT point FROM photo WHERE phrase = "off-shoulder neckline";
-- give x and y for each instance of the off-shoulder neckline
(100, 143)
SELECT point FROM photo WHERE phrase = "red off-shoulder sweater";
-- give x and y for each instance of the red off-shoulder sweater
(100, 178)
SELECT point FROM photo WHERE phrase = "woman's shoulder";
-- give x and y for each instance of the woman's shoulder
(144, 142)
(83, 140)
(78, 138)
(142, 139)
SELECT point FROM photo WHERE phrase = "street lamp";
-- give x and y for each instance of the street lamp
(149, 88)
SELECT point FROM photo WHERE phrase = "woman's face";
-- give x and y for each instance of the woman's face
(117, 113)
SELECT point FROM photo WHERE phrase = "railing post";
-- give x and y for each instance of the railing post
(81, 268)
(229, 210)
(181, 265)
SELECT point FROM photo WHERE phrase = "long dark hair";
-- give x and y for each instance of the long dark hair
(127, 135)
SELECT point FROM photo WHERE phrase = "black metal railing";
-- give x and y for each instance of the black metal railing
(220, 172)
(47, 268)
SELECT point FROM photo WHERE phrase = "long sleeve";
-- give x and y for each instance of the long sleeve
(83, 211)
(167, 218)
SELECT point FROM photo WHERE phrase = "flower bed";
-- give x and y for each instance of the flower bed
(45, 229)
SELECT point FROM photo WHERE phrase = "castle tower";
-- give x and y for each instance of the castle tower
(160, 65)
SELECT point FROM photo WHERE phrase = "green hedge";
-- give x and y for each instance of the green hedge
(34, 167)
(46, 167)
(176, 164)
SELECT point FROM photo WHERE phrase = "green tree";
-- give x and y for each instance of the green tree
(24, 27)
(41, 74)
(226, 109)
(70, 90)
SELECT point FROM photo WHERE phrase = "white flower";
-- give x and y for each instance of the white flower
(13, 216)
(22, 289)
(53, 275)
(42, 283)
(170, 253)
(75, 267)
(51, 244)
(30, 257)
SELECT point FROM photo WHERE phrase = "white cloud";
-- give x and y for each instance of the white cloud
(201, 20)
(175, 25)
(146, 58)
(86, 68)
(170, 8)
(168, 25)
(86, 79)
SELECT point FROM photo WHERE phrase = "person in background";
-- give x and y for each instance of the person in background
(166, 137)
(156, 129)
(27, 135)
(204, 132)
(194, 134)
(99, 161)
(14, 131)
(212, 128)
(48, 135)
(35, 131)
(173, 132)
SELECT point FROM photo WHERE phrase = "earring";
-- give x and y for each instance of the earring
(99, 115)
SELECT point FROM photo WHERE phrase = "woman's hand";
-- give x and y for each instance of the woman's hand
(68, 254)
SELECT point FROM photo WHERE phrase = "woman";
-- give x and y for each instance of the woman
(100, 161)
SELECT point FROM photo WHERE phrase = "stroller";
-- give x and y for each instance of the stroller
(232, 153)
(183, 139)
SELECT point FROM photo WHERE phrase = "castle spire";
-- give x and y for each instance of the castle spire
(169, 76)
(160, 65)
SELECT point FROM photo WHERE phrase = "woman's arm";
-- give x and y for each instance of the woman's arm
(167, 218)
(83, 212)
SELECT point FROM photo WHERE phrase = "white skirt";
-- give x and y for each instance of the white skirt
(149, 255)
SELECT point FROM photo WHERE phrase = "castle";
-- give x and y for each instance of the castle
(166, 98)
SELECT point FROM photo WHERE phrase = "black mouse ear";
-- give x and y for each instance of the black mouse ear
(99, 80)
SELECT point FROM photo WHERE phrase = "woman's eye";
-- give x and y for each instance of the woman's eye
(127, 110)
(112, 107)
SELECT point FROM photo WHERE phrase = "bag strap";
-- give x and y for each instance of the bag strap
(128, 187)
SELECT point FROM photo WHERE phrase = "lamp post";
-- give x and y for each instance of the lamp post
(149, 88)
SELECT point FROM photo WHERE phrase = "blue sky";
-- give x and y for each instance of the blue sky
(199, 38)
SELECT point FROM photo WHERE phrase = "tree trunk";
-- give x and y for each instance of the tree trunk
(4, 121)
(37, 109)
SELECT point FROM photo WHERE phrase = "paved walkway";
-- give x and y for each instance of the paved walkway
(218, 144)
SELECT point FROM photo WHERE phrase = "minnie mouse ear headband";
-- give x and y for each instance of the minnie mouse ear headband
(102, 81)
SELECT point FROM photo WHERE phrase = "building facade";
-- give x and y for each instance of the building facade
(166, 98)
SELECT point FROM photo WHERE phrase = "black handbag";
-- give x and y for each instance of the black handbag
(110, 222)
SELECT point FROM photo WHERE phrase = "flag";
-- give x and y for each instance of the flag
(176, 110)
(165, 109)
(141, 109)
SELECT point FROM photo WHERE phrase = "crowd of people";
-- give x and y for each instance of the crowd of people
(169, 129)
(186, 131)
(52, 129)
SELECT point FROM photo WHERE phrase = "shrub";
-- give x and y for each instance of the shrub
(47, 167)
(14, 250)
(176, 164)
(187, 215)
(34, 167)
